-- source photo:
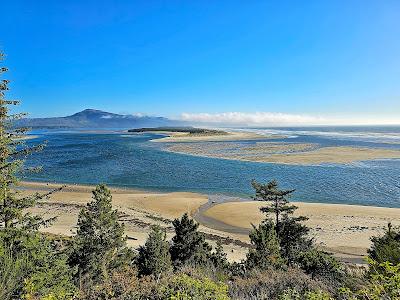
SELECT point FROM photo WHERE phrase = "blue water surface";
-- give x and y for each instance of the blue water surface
(133, 161)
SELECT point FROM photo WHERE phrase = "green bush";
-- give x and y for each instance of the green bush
(292, 294)
(184, 287)
(386, 247)
(12, 273)
(272, 284)
(384, 284)
(320, 264)
(39, 270)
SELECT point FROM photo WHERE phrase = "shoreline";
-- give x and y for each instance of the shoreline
(343, 229)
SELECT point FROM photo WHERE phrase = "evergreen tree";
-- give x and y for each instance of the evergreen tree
(100, 243)
(39, 269)
(154, 257)
(386, 247)
(266, 252)
(292, 234)
(188, 245)
(278, 200)
(13, 150)
(293, 238)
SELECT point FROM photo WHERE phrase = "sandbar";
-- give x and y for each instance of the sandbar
(285, 153)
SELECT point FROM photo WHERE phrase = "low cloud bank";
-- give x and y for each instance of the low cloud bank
(257, 118)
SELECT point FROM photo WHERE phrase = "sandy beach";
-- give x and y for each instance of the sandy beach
(283, 152)
(342, 229)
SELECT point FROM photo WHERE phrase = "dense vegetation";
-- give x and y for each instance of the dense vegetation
(282, 262)
(189, 130)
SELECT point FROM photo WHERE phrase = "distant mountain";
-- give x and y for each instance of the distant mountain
(92, 118)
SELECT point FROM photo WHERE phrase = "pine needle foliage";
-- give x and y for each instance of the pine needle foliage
(188, 244)
(278, 200)
(13, 151)
(154, 257)
(100, 242)
(266, 251)
(386, 247)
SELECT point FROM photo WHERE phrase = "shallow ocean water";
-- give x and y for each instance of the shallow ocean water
(132, 161)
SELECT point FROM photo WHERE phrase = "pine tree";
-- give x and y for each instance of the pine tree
(266, 252)
(13, 151)
(100, 243)
(278, 200)
(154, 257)
(37, 264)
(293, 238)
(188, 245)
(292, 234)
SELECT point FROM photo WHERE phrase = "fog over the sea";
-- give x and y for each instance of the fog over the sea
(284, 119)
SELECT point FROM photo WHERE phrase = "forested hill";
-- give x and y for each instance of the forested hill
(92, 118)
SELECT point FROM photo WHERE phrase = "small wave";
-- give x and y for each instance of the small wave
(366, 136)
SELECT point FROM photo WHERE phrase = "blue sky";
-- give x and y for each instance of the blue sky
(336, 61)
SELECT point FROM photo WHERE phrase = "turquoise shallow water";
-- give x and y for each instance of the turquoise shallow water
(133, 161)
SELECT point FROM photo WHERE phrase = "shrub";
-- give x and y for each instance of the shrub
(121, 284)
(384, 284)
(272, 283)
(39, 270)
(386, 247)
(291, 294)
(320, 264)
(185, 287)
(12, 273)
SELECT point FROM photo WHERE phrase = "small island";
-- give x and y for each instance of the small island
(193, 134)
(187, 130)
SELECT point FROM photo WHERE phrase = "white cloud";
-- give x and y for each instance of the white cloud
(257, 118)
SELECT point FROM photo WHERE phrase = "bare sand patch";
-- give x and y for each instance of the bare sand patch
(284, 153)
(341, 228)
(333, 155)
